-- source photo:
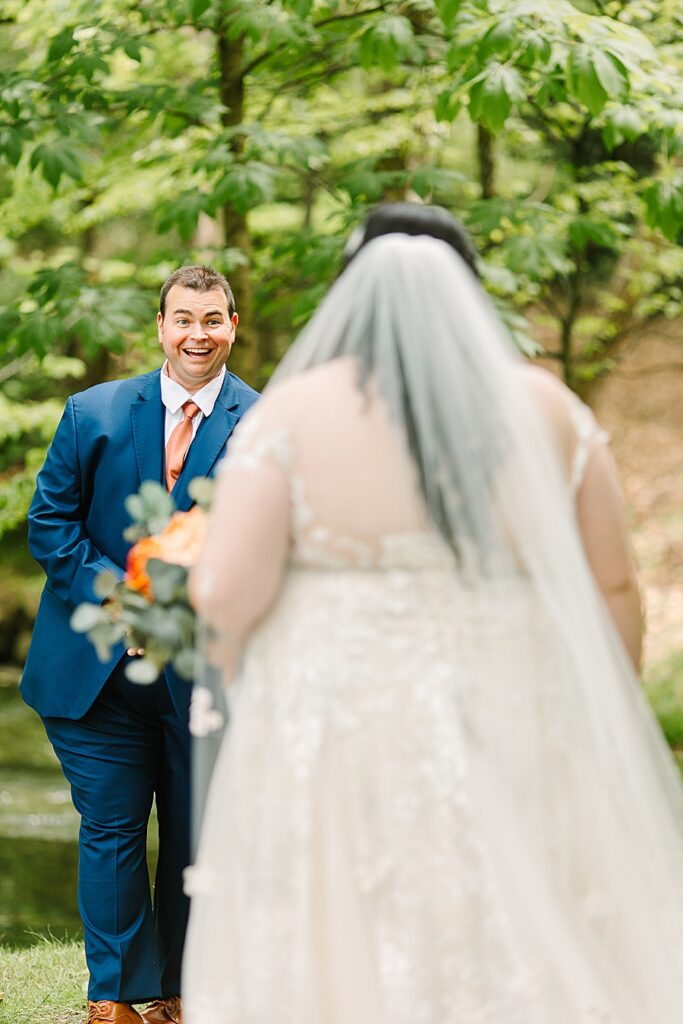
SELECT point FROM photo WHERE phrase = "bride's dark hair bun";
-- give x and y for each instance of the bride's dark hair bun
(413, 219)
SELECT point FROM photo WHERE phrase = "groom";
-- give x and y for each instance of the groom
(121, 744)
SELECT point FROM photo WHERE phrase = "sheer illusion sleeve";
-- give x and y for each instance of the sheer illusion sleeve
(239, 573)
(587, 433)
(258, 439)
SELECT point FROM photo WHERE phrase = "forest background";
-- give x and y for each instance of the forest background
(136, 135)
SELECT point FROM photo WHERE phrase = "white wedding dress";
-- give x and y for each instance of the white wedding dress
(417, 815)
(380, 848)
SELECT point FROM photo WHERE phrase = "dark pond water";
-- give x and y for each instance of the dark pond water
(38, 829)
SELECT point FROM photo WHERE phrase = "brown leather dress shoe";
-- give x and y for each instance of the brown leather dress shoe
(163, 1011)
(106, 1011)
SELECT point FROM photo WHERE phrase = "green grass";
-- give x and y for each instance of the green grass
(45, 984)
(664, 688)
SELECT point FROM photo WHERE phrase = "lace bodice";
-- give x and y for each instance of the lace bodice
(312, 542)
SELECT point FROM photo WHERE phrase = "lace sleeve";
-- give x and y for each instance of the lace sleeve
(254, 443)
(587, 430)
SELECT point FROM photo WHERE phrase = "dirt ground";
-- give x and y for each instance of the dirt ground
(641, 405)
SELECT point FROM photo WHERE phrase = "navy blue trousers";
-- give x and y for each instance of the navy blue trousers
(129, 748)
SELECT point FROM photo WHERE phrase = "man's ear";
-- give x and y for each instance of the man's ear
(234, 319)
(160, 321)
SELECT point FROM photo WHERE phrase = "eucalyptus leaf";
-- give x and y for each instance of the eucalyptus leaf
(185, 663)
(168, 580)
(142, 670)
(86, 616)
(185, 618)
(201, 490)
(135, 532)
(105, 584)
(104, 637)
(135, 507)
(132, 600)
(160, 625)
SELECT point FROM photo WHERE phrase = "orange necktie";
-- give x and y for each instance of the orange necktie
(179, 444)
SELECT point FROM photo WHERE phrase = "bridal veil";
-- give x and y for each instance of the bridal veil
(572, 789)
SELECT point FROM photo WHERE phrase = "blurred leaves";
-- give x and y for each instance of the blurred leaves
(255, 135)
(664, 205)
(150, 510)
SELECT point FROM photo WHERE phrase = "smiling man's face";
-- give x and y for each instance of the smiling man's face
(196, 334)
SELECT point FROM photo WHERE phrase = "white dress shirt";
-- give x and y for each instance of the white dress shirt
(174, 396)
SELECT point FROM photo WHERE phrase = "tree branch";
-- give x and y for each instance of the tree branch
(14, 367)
(262, 57)
(351, 14)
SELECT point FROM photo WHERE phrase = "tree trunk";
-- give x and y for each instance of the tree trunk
(567, 325)
(487, 166)
(394, 160)
(245, 358)
(101, 366)
(309, 193)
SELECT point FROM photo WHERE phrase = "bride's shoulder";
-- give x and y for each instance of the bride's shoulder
(544, 383)
(557, 404)
(555, 399)
(311, 392)
(335, 373)
(302, 400)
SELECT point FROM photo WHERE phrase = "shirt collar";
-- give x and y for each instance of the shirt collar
(174, 395)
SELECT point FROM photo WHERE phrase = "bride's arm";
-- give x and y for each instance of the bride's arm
(599, 504)
(239, 572)
(602, 523)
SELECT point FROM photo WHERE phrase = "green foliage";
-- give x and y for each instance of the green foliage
(201, 490)
(25, 430)
(664, 203)
(254, 135)
(387, 42)
(596, 101)
(665, 693)
(65, 307)
(162, 626)
(55, 159)
(150, 509)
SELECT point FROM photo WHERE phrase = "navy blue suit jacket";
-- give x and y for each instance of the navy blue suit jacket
(110, 440)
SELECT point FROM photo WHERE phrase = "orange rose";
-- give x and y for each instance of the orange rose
(182, 540)
(179, 543)
(136, 565)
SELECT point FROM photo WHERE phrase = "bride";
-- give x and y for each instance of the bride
(441, 798)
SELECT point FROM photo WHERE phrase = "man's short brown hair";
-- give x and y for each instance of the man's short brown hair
(199, 278)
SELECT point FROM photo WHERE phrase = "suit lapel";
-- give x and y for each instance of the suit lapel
(209, 443)
(147, 421)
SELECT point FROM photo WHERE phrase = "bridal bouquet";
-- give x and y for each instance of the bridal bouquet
(149, 609)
